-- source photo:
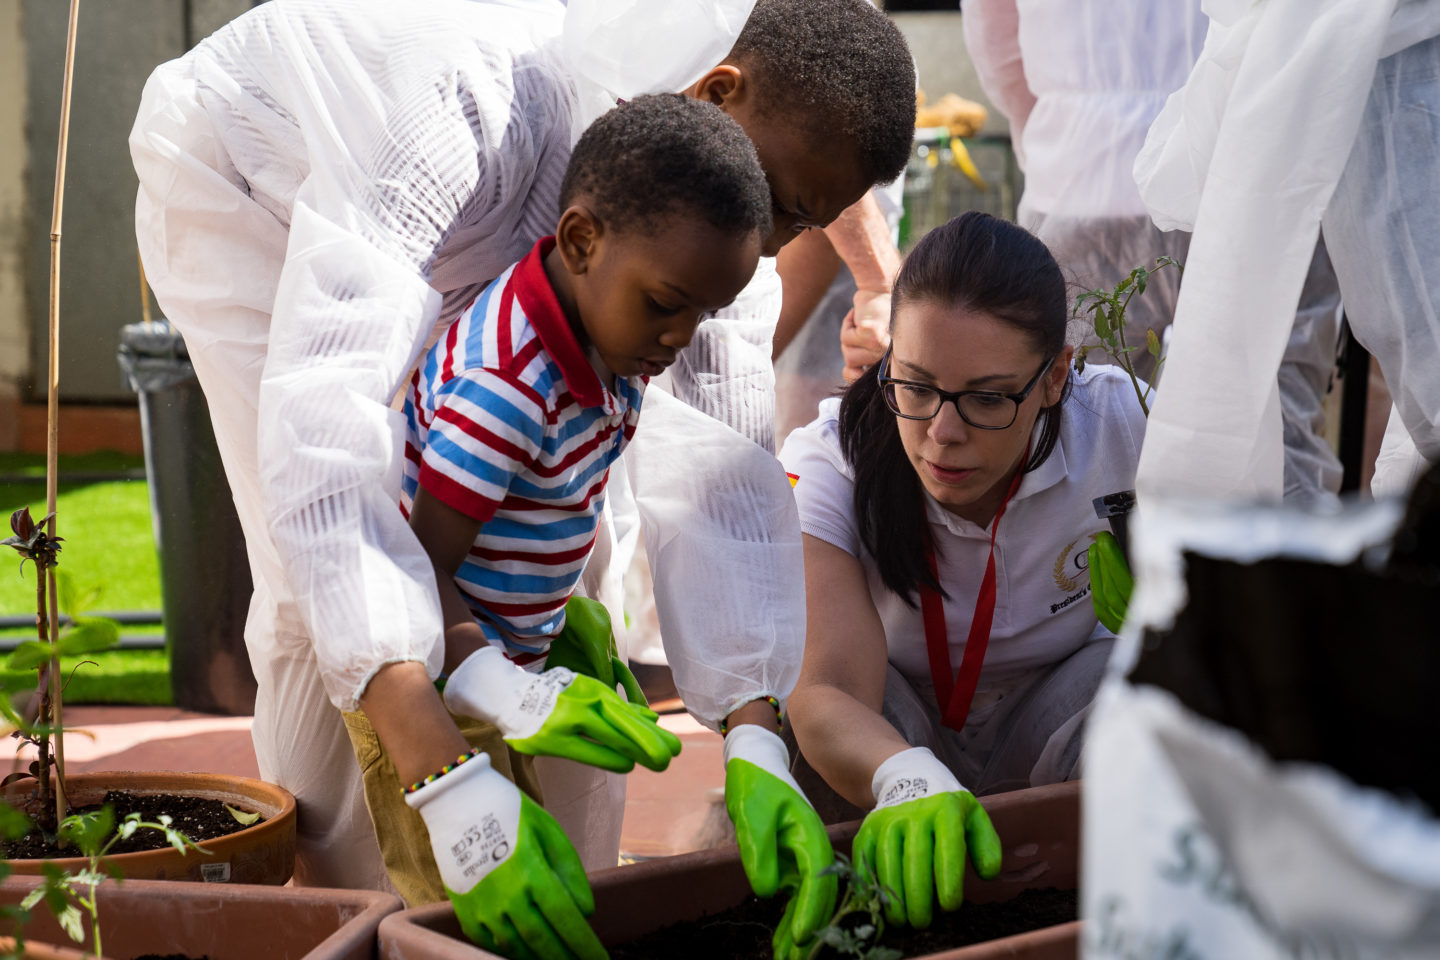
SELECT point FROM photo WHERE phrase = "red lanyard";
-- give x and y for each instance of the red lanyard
(955, 695)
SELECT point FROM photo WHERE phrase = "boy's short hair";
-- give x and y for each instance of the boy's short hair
(835, 67)
(655, 156)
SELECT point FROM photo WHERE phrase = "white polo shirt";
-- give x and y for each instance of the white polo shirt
(1042, 606)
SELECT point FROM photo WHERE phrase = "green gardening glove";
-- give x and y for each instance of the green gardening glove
(587, 646)
(516, 883)
(559, 713)
(915, 841)
(783, 844)
(1110, 581)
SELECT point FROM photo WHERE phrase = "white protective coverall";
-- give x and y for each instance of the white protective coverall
(322, 182)
(1081, 81)
(1299, 113)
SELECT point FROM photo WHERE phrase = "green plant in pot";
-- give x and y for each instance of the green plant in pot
(1110, 580)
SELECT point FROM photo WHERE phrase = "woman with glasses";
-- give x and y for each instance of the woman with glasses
(951, 646)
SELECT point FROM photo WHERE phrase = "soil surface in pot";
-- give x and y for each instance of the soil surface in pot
(198, 818)
(745, 931)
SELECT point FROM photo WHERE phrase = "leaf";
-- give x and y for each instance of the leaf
(241, 816)
(29, 655)
(89, 878)
(69, 920)
(22, 523)
(13, 823)
(88, 831)
(32, 898)
(1124, 285)
(884, 953)
(88, 636)
(865, 931)
(177, 839)
(1103, 329)
(1152, 344)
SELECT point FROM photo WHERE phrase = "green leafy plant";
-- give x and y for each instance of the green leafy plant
(42, 724)
(1107, 316)
(864, 898)
(71, 897)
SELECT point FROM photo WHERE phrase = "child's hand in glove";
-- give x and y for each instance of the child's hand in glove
(559, 713)
(515, 881)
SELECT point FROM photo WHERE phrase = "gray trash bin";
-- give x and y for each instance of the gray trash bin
(204, 573)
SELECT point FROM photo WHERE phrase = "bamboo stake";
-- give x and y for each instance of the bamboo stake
(52, 440)
(144, 290)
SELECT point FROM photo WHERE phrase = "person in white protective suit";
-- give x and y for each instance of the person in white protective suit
(1300, 117)
(945, 502)
(320, 182)
(1081, 83)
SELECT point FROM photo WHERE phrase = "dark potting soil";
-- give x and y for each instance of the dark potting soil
(745, 931)
(197, 818)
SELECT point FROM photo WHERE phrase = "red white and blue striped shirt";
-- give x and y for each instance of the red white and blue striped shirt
(508, 423)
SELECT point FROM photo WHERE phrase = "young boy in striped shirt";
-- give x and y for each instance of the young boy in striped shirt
(517, 414)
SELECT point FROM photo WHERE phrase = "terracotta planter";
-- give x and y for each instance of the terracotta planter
(1040, 828)
(222, 921)
(263, 853)
(35, 950)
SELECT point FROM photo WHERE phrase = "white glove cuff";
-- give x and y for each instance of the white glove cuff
(910, 775)
(765, 749)
(473, 816)
(489, 687)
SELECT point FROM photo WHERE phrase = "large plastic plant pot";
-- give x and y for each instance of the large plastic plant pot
(218, 920)
(204, 573)
(1039, 827)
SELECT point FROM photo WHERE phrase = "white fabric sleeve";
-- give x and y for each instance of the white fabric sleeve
(824, 485)
(387, 181)
(1215, 429)
(992, 38)
(723, 539)
(717, 514)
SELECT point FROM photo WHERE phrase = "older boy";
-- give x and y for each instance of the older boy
(313, 178)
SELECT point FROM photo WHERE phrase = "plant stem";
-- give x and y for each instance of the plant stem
(57, 705)
(1124, 358)
(42, 743)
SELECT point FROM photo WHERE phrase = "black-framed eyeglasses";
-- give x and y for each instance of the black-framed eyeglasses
(982, 409)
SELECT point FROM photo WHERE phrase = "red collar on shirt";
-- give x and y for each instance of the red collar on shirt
(542, 308)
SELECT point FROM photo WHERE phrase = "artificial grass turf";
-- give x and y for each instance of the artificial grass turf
(136, 677)
(110, 560)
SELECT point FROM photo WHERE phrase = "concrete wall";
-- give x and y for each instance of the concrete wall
(14, 319)
(938, 45)
(118, 45)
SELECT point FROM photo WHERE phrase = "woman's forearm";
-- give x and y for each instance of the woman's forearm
(843, 738)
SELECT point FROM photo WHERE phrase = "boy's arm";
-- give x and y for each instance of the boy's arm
(447, 535)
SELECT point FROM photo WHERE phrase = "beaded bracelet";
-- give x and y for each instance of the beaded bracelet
(404, 791)
(779, 717)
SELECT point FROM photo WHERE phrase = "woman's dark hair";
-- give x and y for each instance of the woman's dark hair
(974, 262)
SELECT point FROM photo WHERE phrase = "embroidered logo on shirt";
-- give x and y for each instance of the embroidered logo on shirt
(794, 479)
(1065, 579)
